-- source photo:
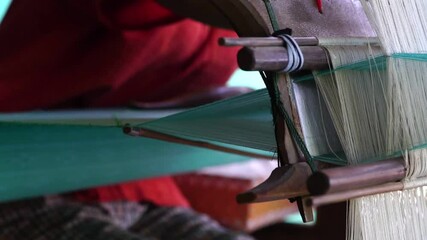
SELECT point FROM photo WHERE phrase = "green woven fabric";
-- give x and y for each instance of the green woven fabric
(243, 121)
(39, 159)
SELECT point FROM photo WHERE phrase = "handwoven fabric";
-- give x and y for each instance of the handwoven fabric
(55, 218)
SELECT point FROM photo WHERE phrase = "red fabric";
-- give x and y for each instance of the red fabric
(134, 14)
(72, 53)
(162, 191)
(106, 53)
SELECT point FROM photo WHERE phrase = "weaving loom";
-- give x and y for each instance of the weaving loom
(299, 118)
(361, 105)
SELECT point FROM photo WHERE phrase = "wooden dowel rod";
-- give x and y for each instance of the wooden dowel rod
(265, 41)
(302, 41)
(352, 41)
(141, 132)
(354, 177)
(276, 58)
(356, 193)
(346, 195)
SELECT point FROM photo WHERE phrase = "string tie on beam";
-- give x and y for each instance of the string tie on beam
(295, 56)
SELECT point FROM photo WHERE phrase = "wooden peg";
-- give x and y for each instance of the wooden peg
(284, 182)
(305, 209)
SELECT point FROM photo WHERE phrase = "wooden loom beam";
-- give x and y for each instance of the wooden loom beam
(360, 176)
(250, 19)
(276, 58)
(353, 193)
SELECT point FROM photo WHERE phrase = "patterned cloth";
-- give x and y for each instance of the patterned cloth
(57, 218)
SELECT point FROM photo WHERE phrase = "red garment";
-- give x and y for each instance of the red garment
(105, 53)
(84, 53)
(162, 191)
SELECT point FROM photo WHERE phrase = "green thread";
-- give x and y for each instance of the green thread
(272, 15)
(39, 159)
(289, 122)
(270, 80)
(379, 63)
(411, 56)
(341, 159)
(274, 103)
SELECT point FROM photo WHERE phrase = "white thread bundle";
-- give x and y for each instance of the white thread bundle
(239, 121)
(354, 104)
(383, 111)
(394, 215)
(376, 112)
(400, 24)
(401, 28)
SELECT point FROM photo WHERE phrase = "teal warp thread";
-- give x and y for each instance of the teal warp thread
(272, 15)
(365, 65)
(269, 84)
(40, 159)
(274, 102)
(297, 138)
(270, 80)
(243, 120)
(290, 124)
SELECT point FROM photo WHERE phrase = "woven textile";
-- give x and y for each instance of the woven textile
(57, 218)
